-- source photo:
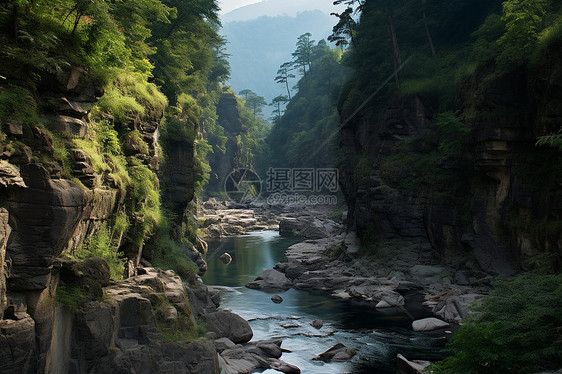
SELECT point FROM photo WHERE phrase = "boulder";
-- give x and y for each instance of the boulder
(228, 325)
(223, 344)
(284, 367)
(270, 279)
(225, 258)
(317, 324)
(429, 324)
(338, 352)
(456, 307)
(405, 366)
(277, 299)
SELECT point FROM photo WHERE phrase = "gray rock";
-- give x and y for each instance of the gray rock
(277, 299)
(427, 274)
(317, 324)
(270, 279)
(405, 366)
(338, 352)
(284, 367)
(429, 324)
(223, 344)
(228, 325)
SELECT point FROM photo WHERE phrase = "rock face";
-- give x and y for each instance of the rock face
(472, 220)
(223, 163)
(123, 333)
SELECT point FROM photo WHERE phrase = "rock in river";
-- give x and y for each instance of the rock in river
(225, 258)
(428, 324)
(270, 279)
(277, 299)
(338, 352)
(317, 324)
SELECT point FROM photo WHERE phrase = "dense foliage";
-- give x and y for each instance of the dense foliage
(304, 134)
(517, 329)
(146, 55)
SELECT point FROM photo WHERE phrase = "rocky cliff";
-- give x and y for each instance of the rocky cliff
(492, 203)
(57, 314)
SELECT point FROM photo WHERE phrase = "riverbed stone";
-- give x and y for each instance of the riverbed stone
(284, 367)
(270, 279)
(339, 352)
(277, 299)
(317, 324)
(429, 324)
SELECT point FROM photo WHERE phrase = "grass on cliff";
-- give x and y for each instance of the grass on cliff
(517, 329)
(103, 244)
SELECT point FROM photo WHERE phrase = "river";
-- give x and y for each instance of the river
(376, 335)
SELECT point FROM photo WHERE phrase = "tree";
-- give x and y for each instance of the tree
(254, 102)
(302, 56)
(283, 75)
(345, 28)
(246, 93)
(276, 103)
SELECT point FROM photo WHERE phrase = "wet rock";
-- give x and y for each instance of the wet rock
(290, 325)
(317, 324)
(250, 357)
(225, 258)
(429, 324)
(271, 349)
(270, 279)
(277, 299)
(338, 352)
(405, 366)
(284, 367)
(228, 325)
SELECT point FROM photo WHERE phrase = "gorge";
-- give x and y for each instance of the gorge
(438, 121)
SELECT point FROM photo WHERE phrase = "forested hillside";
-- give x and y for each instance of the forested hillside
(456, 143)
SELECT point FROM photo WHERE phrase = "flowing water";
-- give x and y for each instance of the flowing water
(376, 335)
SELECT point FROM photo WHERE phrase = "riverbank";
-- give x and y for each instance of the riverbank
(331, 260)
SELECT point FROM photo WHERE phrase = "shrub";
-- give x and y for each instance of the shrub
(517, 329)
(102, 244)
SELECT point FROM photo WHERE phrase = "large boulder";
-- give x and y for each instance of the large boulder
(429, 324)
(270, 279)
(228, 325)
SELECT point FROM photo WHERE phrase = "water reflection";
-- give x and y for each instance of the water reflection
(376, 335)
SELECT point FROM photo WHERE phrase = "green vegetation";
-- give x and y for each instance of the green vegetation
(104, 244)
(517, 329)
(305, 134)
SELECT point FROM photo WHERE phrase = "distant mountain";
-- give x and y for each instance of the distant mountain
(259, 46)
(274, 8)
